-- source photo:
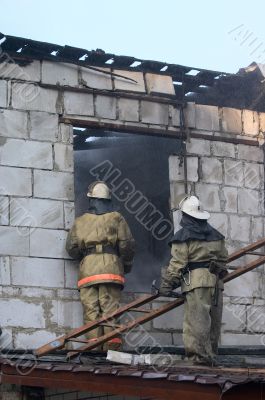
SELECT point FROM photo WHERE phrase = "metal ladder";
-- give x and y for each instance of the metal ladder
(136, 305)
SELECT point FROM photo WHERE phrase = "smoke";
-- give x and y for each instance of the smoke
(143, 161)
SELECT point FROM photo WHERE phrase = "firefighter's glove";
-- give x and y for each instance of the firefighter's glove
(167, 284)
(217, 268)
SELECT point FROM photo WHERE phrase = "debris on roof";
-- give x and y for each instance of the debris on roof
(242, 90)
(142, 359)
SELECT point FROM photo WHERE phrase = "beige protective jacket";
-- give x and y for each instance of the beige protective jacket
(196, 251)
(96, 230)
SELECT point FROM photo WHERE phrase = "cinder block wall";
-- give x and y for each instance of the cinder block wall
(39, 299)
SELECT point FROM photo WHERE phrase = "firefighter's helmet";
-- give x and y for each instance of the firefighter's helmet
(99, 190)
(191, 205)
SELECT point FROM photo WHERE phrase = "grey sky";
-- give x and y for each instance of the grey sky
(193, 33)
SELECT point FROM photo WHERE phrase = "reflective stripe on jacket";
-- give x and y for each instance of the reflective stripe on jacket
(101, 278)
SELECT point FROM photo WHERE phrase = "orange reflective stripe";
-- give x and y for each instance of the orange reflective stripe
(115, 340)
(101, 277)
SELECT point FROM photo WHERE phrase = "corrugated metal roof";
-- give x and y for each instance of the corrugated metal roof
(225, 378)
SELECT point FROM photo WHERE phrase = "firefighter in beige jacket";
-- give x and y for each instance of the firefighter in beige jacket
(102, 241)
(198, 264)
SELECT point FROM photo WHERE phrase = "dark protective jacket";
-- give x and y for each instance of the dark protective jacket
(195, 229)
(96, 229)
(196, 242)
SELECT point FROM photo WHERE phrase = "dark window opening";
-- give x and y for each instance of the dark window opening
(136, 168)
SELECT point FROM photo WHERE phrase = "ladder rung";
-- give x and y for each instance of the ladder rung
(109, 325)
(254, 253)
(78, 340)
(140, 310)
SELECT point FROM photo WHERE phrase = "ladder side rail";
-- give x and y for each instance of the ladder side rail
(246, 268)
(251, 247)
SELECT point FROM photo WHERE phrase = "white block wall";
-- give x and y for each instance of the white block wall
(36, 202)
(39, 299)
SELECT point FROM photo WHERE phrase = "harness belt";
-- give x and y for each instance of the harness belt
(100, 249)
(195, 265)
(191, 266)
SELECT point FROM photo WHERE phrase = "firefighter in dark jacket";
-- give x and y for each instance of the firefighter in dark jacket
(102, 241)
(198, 265)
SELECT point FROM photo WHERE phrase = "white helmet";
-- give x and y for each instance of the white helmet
(191, 205)
(99, 190)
